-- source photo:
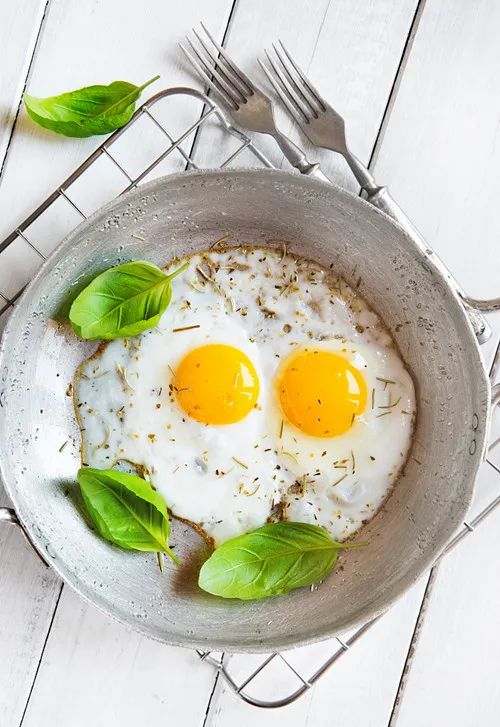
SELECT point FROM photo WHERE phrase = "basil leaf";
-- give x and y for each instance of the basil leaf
(125, 510)
(270, 561)
(122, 301)
(87, 111)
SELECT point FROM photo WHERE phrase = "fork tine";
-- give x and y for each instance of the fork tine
(314, 93)
(235, 84)
(294, 111)
(289, 92)
(205, 76)
(215, 75)
(295, 85)
(237, 71)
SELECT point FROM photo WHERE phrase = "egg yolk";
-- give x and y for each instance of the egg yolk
(216, 384)
(321, 393)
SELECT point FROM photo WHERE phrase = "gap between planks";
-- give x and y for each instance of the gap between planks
(208, 92)
(391, 100)
(42, 652)
(26, 79)
(212, 701)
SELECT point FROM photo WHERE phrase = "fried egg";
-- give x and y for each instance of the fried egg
(269, 389)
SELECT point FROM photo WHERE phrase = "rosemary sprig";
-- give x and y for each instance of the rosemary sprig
(290, 454)
(390, 406)
(103, 373)
(186, 328)
(219, 242)
(159, 558)
(246, 492)
(238, 461)
(385, 381)
(339, 480)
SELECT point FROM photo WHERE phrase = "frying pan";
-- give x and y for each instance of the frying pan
(179, 215)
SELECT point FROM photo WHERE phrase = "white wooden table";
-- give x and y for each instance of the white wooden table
(418, 84)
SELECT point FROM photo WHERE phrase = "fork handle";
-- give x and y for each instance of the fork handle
(363, 175)
(379, 197)
(297, 158)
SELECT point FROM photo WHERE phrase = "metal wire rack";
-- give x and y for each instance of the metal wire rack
(276, 679)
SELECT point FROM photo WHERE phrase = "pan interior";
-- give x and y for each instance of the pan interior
(183, 214)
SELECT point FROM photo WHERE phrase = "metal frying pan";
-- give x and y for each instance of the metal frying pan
(181, 214)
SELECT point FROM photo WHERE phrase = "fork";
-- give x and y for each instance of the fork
(248, 106)
(324, 127)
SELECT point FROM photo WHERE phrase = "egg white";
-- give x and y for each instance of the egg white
(230, 479)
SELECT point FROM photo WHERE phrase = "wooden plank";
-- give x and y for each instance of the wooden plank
(97, 672)
(453, 674)
(29, 592)
(28, 595)
(441, 149)
(439, 154)
(366, 43)
(19, 31)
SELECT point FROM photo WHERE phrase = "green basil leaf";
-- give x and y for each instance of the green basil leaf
(87, 111)
(122, 301)
(270, 561)
(125, 510)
